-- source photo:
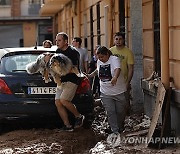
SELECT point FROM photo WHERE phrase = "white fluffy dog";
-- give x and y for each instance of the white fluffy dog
(40, 65)
(58, 65)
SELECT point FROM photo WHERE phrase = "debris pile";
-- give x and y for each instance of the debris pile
(137, 122)
(135, 125)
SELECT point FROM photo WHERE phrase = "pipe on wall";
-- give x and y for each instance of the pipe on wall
(164, 41)
(106, 9)
(126, 23)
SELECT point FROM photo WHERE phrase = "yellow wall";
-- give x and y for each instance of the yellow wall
(148, 35)
(74, 24)
(174, 39)
(29, 33)
(78, 23)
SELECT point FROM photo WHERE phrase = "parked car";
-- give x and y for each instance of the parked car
(27, 96)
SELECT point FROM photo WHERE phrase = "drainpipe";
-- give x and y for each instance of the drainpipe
(165, 77)
(126, 23)
(164, 41)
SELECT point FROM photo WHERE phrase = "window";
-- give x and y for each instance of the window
(5, 2)
(122, 16)
(34, 1)
(98, 24)
(91, 30)
(157, 59)
(45, 33)
(18, 63)
(34, 7)
(85, 31)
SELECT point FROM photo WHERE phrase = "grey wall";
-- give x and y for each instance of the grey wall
(10, 35)
(136, 29)
(149, 104)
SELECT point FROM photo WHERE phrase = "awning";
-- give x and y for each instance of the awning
(51, 7)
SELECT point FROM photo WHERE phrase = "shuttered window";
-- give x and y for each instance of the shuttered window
(157, 62)
(98, 24)
(5, 2)
(91, 30)
(122, 16)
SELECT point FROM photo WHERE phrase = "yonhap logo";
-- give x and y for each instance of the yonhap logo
(154, 140)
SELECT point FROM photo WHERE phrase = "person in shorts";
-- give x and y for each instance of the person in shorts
(65, 94)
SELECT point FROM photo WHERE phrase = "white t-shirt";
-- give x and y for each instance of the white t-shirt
(106, 72)
(83, 57)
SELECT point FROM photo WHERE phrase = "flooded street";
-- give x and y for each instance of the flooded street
(47, 141)
(82, 141)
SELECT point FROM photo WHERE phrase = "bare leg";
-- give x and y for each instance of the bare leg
(70, 107)
(64, 103)
(62, 112)
(79, 118)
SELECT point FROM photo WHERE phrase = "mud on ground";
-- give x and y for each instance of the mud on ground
(52, 141)
(43, 140)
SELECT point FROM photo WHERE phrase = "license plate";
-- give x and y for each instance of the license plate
(41, 90)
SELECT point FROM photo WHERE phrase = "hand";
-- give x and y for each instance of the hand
(87, 75)
(47, 58)
(113, 81)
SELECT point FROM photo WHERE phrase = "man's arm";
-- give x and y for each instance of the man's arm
(94, 73)
(85, 64)
(130, 74)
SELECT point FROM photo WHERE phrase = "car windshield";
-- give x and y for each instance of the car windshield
(17, 63)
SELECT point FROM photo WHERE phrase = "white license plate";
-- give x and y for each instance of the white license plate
(41, 90)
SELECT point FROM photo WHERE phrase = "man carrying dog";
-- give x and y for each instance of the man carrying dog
(65, 95)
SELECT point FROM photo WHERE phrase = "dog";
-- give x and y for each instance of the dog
(62, 65)
(41, 66)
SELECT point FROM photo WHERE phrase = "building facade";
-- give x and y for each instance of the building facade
(151, 33)
(96, 22)
(161, 53)
(21, 25)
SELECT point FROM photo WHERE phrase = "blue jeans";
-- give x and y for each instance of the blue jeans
(116, 107)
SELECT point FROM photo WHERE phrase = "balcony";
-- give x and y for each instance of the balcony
(51, 7)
